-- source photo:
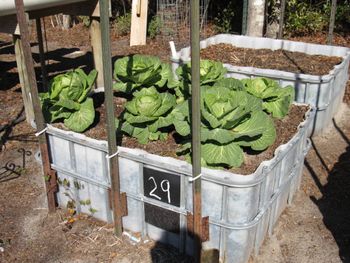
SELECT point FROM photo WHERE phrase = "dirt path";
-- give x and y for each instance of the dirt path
(315, 228)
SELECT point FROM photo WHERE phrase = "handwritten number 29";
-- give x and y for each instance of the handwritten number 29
(164, 185)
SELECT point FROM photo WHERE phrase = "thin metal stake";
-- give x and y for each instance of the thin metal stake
(50, 177)
(112, 144)
(196, 122)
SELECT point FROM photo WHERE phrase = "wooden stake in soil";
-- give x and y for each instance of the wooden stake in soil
(49, 175)
(116, 198)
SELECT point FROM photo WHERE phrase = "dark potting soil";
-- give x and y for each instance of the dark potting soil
(285, 128)
(296, 62)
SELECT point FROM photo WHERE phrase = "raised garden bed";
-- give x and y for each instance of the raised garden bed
(242, 209)
(324, 91)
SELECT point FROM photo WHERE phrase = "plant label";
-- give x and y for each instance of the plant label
(163, 187)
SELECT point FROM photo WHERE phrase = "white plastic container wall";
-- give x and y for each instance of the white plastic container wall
(242, 209)
(324, 92)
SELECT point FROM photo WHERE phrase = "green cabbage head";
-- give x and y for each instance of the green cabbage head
(68, 99)
(139, 71)
(230, 120)
(276, 100)
(147, 113)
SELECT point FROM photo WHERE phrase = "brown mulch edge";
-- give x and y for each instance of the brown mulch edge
(284, 60)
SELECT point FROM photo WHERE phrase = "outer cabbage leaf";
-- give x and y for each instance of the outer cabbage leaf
(80, 120)
(230, 155)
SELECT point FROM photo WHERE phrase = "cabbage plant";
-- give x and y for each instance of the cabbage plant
(210, 72)
(231, 119)
(276, 100)
(138, 71)
(68, 99)
(147, 113)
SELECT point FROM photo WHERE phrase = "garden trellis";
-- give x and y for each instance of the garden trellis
(174, 18)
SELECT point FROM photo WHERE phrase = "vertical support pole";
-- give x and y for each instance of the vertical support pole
(138, 30)
(23, 78)
(112, 144)
(331, 22)
(196, 122)
(41, 54)
(50, 178)
(281, 22)
(96, 43)
(244, 17)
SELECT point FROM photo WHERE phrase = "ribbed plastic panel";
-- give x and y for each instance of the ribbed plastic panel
(242, 209)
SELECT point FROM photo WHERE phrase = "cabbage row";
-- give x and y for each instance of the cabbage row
(235, 114)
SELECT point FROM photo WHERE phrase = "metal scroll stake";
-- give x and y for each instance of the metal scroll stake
(49, 174)
(117, 200)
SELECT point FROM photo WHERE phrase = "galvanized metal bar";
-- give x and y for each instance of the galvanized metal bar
(41, 54)
(196, 122)
(281, 22)
(112, 144)
(50, 177)
(331, 22)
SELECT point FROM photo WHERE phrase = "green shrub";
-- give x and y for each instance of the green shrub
(122, 24)
(154, 27)
(303, 18)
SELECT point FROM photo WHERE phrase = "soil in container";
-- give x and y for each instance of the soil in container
(296, 62)
(285, 128)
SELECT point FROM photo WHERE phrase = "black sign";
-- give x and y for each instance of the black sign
(162, 218)
(164, 187)
(161, 186)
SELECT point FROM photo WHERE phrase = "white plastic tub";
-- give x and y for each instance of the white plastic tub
(324, 92)
(242, 209)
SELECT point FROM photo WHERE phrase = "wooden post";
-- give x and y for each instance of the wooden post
(281, 22)
(49, 175)
(138, 22)
(41, 54)
(331, 23)
(96, 44)
(23, 78)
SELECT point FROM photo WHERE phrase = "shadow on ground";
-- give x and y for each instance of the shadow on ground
(335, 201)
(57, 61)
